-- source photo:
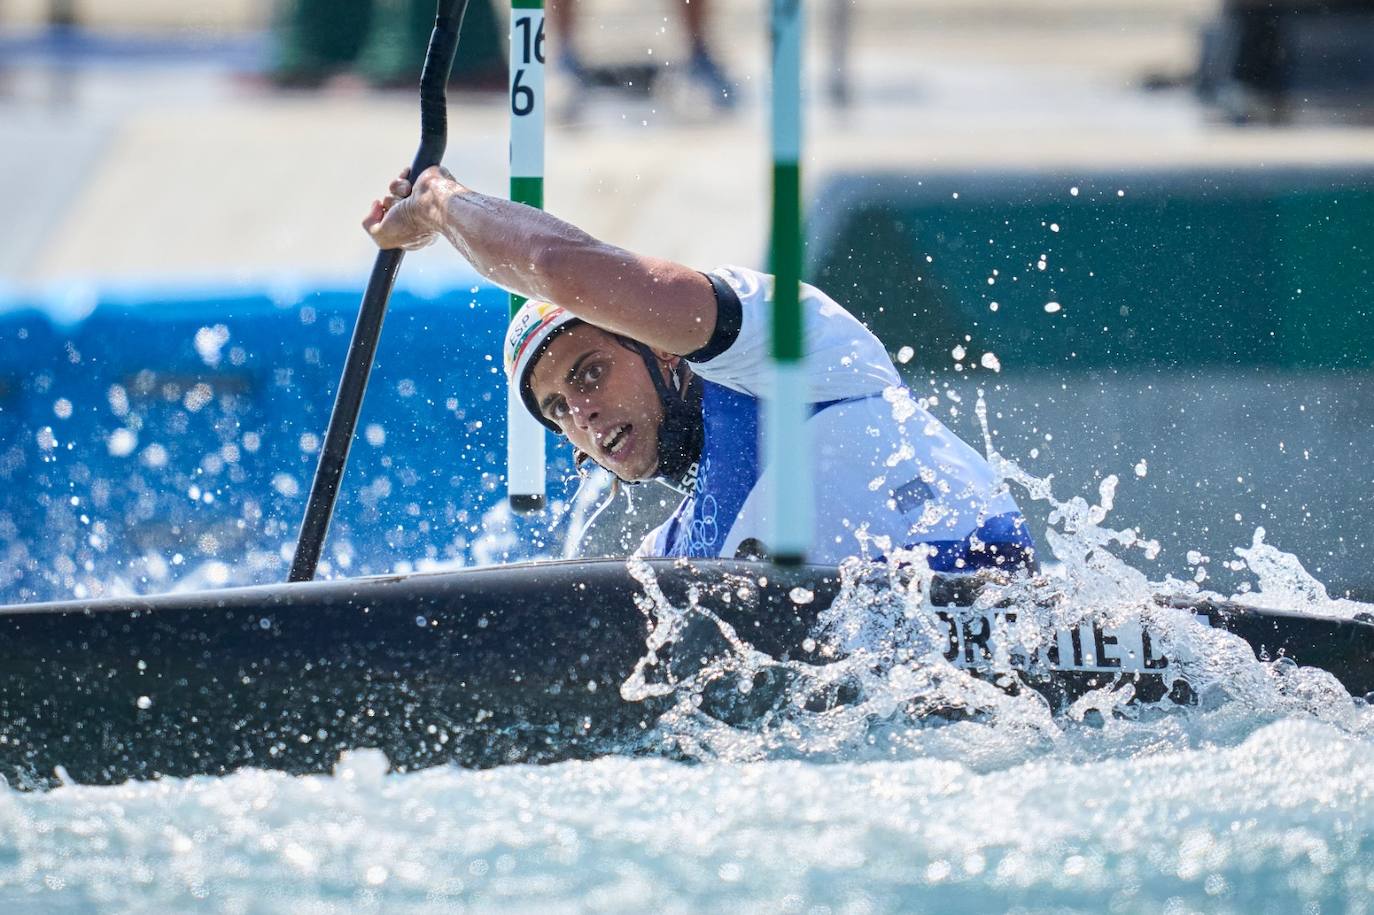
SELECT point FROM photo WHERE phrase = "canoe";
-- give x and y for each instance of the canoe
(479, 667)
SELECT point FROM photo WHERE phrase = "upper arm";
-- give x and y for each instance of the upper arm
(843, 358)
(656, 301)
(659, 302)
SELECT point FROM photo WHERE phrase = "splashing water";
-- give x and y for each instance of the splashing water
(866, 774)
(885, 675)
(1279, 821)
(824, 786)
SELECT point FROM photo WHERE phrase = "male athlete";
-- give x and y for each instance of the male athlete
(656, 371)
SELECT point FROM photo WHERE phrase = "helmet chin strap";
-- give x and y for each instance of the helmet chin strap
(680, 433)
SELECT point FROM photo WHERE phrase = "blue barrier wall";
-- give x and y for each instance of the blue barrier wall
(169, 438)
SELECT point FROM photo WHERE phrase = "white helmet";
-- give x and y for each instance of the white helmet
(529, 334)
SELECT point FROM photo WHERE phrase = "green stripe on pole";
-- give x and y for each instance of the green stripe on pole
(787, 261)
(530, 192)
(527, 4)
(786, 29)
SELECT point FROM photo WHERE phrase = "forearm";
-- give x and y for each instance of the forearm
(539, 256)
(504, 241)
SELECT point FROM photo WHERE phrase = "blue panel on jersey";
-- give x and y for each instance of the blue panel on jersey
(728, 470)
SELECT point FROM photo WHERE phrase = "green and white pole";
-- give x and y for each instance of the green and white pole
(786, 450)
(524, 435)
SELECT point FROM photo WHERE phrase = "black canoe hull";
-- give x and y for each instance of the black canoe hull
(481, 667)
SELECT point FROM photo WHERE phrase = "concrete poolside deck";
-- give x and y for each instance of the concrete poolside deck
(177, 168)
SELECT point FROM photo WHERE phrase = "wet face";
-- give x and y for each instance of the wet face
(599, 393)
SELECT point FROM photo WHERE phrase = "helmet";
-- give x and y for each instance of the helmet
(531, 330)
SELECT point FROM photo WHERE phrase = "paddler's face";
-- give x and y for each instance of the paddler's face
(599, 393)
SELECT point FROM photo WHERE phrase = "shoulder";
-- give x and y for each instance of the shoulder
(744, 282)
(738, 292)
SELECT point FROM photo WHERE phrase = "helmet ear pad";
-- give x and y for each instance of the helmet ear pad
(680, 433)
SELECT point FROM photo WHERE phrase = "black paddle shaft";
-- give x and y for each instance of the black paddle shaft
(443, 44)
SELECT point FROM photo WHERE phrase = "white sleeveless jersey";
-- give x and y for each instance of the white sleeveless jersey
(885, 469)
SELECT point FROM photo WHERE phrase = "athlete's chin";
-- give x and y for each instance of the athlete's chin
(639, 475)
(636, 469)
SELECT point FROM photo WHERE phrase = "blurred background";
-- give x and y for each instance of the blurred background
(1144, 229)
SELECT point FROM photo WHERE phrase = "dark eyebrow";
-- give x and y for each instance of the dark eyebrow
(572, 374)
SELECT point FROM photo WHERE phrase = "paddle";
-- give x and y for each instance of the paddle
(443, 43)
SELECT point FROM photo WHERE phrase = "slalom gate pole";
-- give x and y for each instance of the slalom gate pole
(443, 44)
(785, 447)
(524, 434)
